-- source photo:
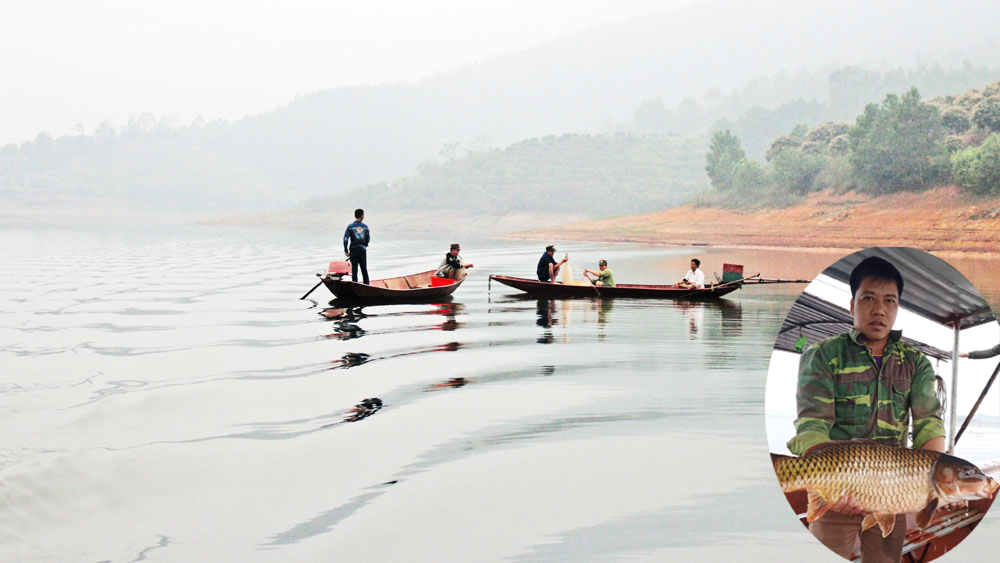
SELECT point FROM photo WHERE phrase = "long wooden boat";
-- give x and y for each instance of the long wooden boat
(557, 290)
(946, 530)
(414, 287)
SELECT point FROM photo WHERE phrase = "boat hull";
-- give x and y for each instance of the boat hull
(415, 287)
(557, 290)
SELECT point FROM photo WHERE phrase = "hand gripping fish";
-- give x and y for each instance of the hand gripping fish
(884, 480)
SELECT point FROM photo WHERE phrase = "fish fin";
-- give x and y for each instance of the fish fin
(925, 515)
(868, 522)
(886, 522)
(817, 507)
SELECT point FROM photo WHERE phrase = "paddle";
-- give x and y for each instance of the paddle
(323, 276)
(593, 284)
(313, 289)
(717, 286)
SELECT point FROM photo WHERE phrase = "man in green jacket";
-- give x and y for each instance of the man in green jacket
(602, 277)
(867, 383)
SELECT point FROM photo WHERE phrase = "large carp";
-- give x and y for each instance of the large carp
(885, 481)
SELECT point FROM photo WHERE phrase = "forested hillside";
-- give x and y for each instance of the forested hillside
(581, 174)
(708, 62)
(900, 144)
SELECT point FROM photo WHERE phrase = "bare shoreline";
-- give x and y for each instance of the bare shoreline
(942, 220)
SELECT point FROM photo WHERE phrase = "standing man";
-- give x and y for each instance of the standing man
(694, 279)
(866, 384)
(452, 264)
(356, 239)
(548, 268)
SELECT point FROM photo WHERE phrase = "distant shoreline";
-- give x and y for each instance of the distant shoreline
(938, 220)
(943, 220)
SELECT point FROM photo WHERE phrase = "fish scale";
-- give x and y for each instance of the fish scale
(881, 479)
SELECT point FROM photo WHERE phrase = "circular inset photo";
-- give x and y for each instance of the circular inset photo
(882, 408)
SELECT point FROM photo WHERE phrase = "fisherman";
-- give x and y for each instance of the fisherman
(695, 278)
(548, 268)
(866, 384)
(982, 354)
(603, 278)
(452, 265)
(356, 239)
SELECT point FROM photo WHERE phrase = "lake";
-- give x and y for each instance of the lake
(166, 396)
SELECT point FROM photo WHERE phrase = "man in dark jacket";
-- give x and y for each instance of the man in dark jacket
(356, 239)
(548, 268)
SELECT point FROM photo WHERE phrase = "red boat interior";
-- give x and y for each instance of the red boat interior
(413, 281)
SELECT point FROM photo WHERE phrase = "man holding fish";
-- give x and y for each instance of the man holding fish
(865, 386)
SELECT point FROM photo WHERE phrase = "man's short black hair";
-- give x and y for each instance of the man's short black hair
(359, 213)
(697, 262)
(877, 268)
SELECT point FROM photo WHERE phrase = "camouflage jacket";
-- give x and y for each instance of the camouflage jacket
(843, 395)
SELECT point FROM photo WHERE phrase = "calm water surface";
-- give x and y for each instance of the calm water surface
(166, 396)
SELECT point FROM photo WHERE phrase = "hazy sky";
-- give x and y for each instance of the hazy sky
(67, 62)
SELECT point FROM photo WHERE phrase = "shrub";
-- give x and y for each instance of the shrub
(978, 168)
(957, 120)
(987, 114)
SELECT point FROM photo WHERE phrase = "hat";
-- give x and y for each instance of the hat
(550, 248)
(455, 246)
(602, 262)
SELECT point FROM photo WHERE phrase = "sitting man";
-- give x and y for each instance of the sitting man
(452, 264)
(603, 278)
(548, 268)
(695, 278)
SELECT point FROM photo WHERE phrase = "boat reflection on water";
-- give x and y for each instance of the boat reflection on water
(347, 316)
(453, 383)
(564, 312)
(724, 316)
(449, 311)
(694, 315)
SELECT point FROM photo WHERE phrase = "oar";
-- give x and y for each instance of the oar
(593, 284)
(313, 289)
(714, 287)
(741, 280)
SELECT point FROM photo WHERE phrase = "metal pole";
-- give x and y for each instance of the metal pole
(953, 403)
(975, 407)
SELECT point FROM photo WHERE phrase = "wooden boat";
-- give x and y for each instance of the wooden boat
(414, 287)
(946, 530)
(557, 290)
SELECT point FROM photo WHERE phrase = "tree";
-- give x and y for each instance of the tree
(652, 118)
(796, 170)
(782, 143)
(897, 145)
(978, 168)
(723, 158)
(750, 176)
(957, 120)
(986, 116)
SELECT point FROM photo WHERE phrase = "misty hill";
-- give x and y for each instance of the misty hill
(592, 82)
(569, 174)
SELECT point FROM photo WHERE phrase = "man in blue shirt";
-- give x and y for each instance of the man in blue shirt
(356, 239)
(548, 268)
